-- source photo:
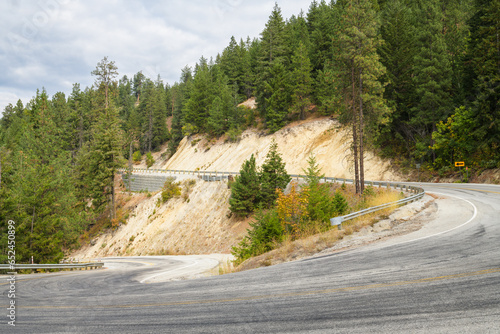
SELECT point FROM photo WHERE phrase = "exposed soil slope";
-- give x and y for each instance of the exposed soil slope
(324, 137)
(197, 224)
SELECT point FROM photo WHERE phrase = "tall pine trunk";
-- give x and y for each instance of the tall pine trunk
(112, 213)
(354, 133)
(361, 148)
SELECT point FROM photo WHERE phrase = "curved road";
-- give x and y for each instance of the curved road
(444, 278)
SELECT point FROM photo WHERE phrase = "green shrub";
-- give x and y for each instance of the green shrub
(267, 232)
(137, 156)
(170, 189)
(340, 205)
(189, 129)
(234, 134)
(149, 159)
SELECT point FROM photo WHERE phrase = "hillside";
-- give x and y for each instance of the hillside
(324, 137)
(198, 223)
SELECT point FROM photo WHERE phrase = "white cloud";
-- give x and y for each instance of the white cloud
(54, 43)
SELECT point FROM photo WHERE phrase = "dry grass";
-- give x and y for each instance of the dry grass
(225, 267)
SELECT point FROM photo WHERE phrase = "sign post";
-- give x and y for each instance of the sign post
(461, 164)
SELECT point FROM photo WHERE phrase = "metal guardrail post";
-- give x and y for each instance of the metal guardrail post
(336, 221)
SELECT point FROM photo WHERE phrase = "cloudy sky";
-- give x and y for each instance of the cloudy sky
(55, 43)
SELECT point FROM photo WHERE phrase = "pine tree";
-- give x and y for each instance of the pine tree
(431, 74)
(278, 103)
(272, 58)
(222, 107)
(272, 175)
(323, 24)
(231, 61)
(319, 205)
(196, 110)
(359, 42)
(301, 81)
(180, 94)
(397, 54)
(41, 195)
(102, 157)
(245, 189)
(484, 72)
(105, 73)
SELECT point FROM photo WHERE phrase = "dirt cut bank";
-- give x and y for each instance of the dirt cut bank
(323, 137)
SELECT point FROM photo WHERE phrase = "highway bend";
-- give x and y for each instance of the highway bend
(444, 278)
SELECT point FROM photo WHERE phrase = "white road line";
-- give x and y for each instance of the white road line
(442, 232)
(164, 272)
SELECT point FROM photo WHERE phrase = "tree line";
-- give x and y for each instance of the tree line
(418, 81)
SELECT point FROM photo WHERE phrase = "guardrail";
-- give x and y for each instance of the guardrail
(71, 266)
(417, 191)
(177, 171)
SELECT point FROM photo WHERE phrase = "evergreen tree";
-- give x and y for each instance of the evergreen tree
(272, 175)
(180, 93)
(362, 70)
(222, 107)
(245, 189)
(397, 54)
(125, 99)
(296, 33)
(138, 83)
(231, 61)
(78, 121)
(272, 58)
(278, 88)
(323, 24)
(160, 130)
(102, 156)
(105, 73)
(100, 160)
(152, 112)
(432, 73)
(301, 81)
(196, 110)
(456, 33)
(319, 205)
(250, 66)
(484, 73)
(41, 198)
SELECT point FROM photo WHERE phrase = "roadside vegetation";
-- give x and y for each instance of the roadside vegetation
(301, 211)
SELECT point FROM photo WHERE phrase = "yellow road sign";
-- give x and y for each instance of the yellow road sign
(459, 164)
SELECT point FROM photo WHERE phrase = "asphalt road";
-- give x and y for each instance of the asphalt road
(444, 278)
